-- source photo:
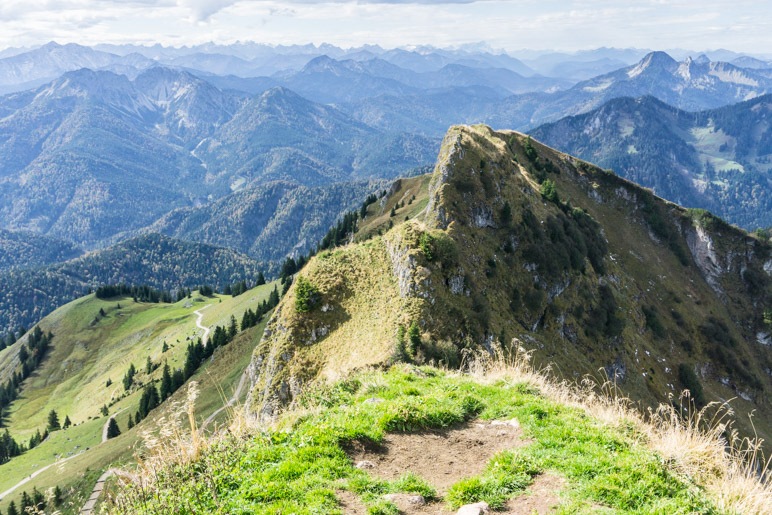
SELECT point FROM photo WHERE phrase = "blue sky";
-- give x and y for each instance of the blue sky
(740, 25)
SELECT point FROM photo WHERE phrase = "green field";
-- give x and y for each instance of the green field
(90, 350)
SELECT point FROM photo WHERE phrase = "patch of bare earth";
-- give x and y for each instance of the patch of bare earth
(541, 497)
(444, 457)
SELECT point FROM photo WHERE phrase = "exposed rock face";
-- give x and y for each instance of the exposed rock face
(705, 257)
(451, 151)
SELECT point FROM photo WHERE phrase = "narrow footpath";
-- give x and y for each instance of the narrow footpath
(88, 508)
(198, 312)
(233, 400)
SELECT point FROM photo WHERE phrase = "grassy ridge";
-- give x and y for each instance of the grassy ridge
(300, 466)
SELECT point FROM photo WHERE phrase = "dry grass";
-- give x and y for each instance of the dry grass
(699, 445)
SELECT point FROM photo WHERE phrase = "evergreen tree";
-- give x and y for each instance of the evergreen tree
(260, 279)
(149, 366)
(104, 410)
(128, 379)
(67, 423)
(26, 501)
(178, 379)
(12, 508)
(53, 421)
(57, 497)
(233, 328)
(130, 423)
(38, 500)
(273, 298)
(166, 383)
(112, 428)
(148, 401)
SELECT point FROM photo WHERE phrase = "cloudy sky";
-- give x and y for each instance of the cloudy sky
(740, 25)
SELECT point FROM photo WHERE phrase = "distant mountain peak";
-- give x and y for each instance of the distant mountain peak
(657, 60)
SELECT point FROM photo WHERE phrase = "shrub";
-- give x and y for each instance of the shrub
(549, 191)
(306, 295)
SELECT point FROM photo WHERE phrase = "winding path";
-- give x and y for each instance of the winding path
(198, 323)
(88, 508)
(230, 402)
(34, 474)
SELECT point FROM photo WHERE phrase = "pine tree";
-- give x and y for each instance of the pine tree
(233, 328)
(112, 429)
(165, 347)
(130, 423)
(57, 497)
(260, 279)
(166, 383)
(104, 410)
(53, 421)
(12, 509)
(38, 500)
(26, 501)
(128, 379)
(149, 366)
(67, 422)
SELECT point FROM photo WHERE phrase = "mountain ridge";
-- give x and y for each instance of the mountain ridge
(668, 290)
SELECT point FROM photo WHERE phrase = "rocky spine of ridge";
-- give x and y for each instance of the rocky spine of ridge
(517, 240)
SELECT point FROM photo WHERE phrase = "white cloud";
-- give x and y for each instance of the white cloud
(743, 25)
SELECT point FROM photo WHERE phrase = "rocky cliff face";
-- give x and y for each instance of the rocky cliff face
(518, 242)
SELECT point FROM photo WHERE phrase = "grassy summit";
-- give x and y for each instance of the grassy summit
(498, 435)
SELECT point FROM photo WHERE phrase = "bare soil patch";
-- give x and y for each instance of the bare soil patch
(441, 457)
(541, 497)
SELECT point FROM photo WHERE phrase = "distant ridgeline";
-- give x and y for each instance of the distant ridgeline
(155, 261)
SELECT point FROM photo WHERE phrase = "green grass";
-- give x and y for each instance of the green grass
(72, 380)
(298, 466)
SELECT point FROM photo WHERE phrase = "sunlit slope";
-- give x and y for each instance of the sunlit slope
(89, 349)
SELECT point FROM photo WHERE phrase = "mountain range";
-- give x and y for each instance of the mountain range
(149, 141)
(94, 154)
(718, 159)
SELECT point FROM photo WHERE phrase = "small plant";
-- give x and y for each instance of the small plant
(306, 295)
(549, 191)
(425, 243)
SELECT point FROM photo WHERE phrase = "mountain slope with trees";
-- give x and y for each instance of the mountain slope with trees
(718, 160)
(93, 155)
(154, 260)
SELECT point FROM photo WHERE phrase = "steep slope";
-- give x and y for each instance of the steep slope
(717, 160)
(587, 269)
(153, 259)
(280, 135)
